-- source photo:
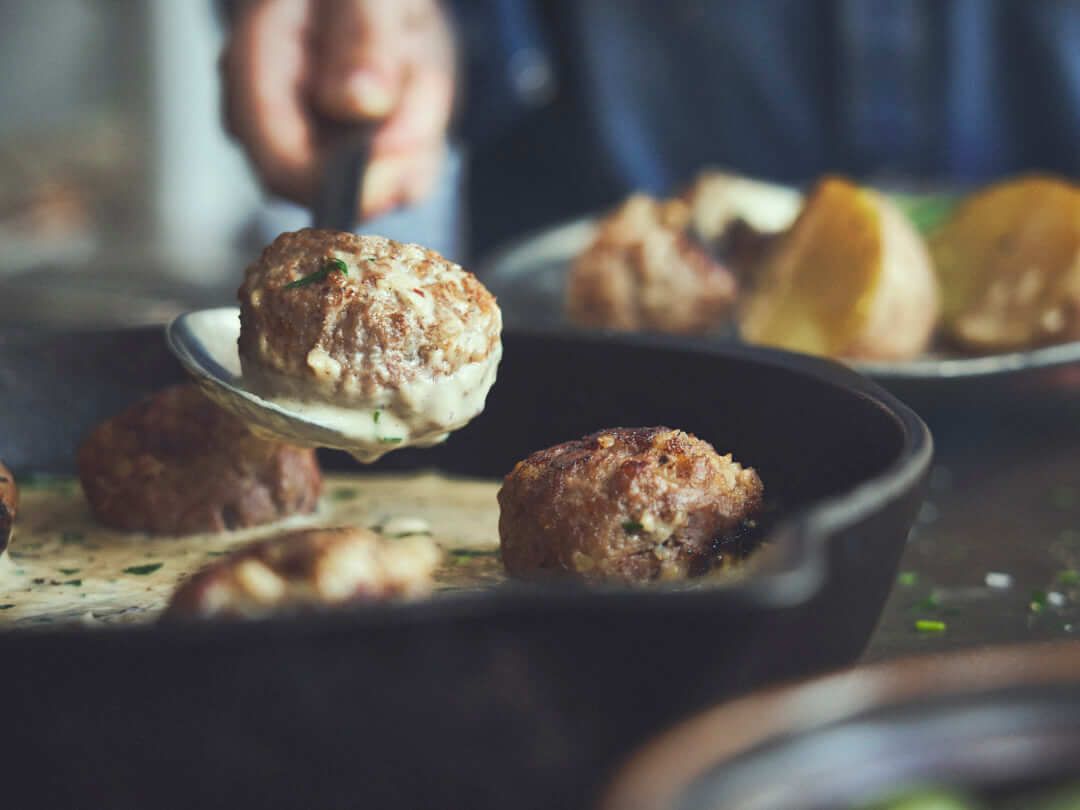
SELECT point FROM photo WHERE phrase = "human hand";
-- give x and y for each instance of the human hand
(291, 67)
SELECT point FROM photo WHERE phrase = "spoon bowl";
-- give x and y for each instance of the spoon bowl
(204, 341)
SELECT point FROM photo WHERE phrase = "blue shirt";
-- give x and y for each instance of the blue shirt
(644, 93)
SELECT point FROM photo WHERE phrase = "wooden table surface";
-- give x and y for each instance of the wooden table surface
(1004, 499)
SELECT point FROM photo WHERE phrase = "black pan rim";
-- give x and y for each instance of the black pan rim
(793, 578)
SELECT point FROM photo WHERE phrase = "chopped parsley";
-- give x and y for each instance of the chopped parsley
(344, 495)
(68, 571)
(927, 604)
(75, 582)
(375, 417)
(391, 439)
(143, 570)
(632, 526)
(908, 578)
(323, 273)
(216, 553)
(1038, 602)
(6, 607)
(1069, 577)
(930, 626)
(473, 552)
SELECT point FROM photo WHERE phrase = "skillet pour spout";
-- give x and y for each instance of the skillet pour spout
(525, 696)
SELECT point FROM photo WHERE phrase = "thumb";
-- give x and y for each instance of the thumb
(355, 72)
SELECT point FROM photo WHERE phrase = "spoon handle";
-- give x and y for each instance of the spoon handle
(348, 151)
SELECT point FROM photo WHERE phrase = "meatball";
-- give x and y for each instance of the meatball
(9, 505)
(624, 504)
(643, 271)
(176, 463)
(308, 569)
(404, 341)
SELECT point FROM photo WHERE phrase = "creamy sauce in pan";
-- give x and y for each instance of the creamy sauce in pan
(64, 568)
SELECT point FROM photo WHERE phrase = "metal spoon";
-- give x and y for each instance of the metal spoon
(205, 341)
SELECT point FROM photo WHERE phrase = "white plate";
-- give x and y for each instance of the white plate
(528, 279)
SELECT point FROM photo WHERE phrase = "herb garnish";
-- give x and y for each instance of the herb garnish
(1038, 602)
(6, 607)
(473, 552)
(345, 495)
(143, 570)
(632, 526)
(928, 603)
(375, 417)
(930, 626)
(331, 266)
(390, 439)
(76, 582)
(1068, 577)
(908, 578)
(216, 553)
(68, 571)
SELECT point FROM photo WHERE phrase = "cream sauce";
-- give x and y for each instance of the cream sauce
(63, 568)
(421, 413)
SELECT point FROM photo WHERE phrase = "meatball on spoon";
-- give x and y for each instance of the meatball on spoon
(359, 343)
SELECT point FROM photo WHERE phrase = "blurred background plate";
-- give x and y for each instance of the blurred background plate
(999, 726)
(98, 295)
(528, 278)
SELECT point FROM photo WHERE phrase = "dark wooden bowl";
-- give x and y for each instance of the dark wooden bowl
(995, 723)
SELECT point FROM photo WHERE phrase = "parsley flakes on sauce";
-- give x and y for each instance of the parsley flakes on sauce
(143, 570)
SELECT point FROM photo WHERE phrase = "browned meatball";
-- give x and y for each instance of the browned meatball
(644, 272)
(308, 569)
(9, 505)
(399, 312)
(176, 463)
(624, 504)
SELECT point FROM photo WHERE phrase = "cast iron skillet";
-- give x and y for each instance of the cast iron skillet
(1001, 724)
(522, 698)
